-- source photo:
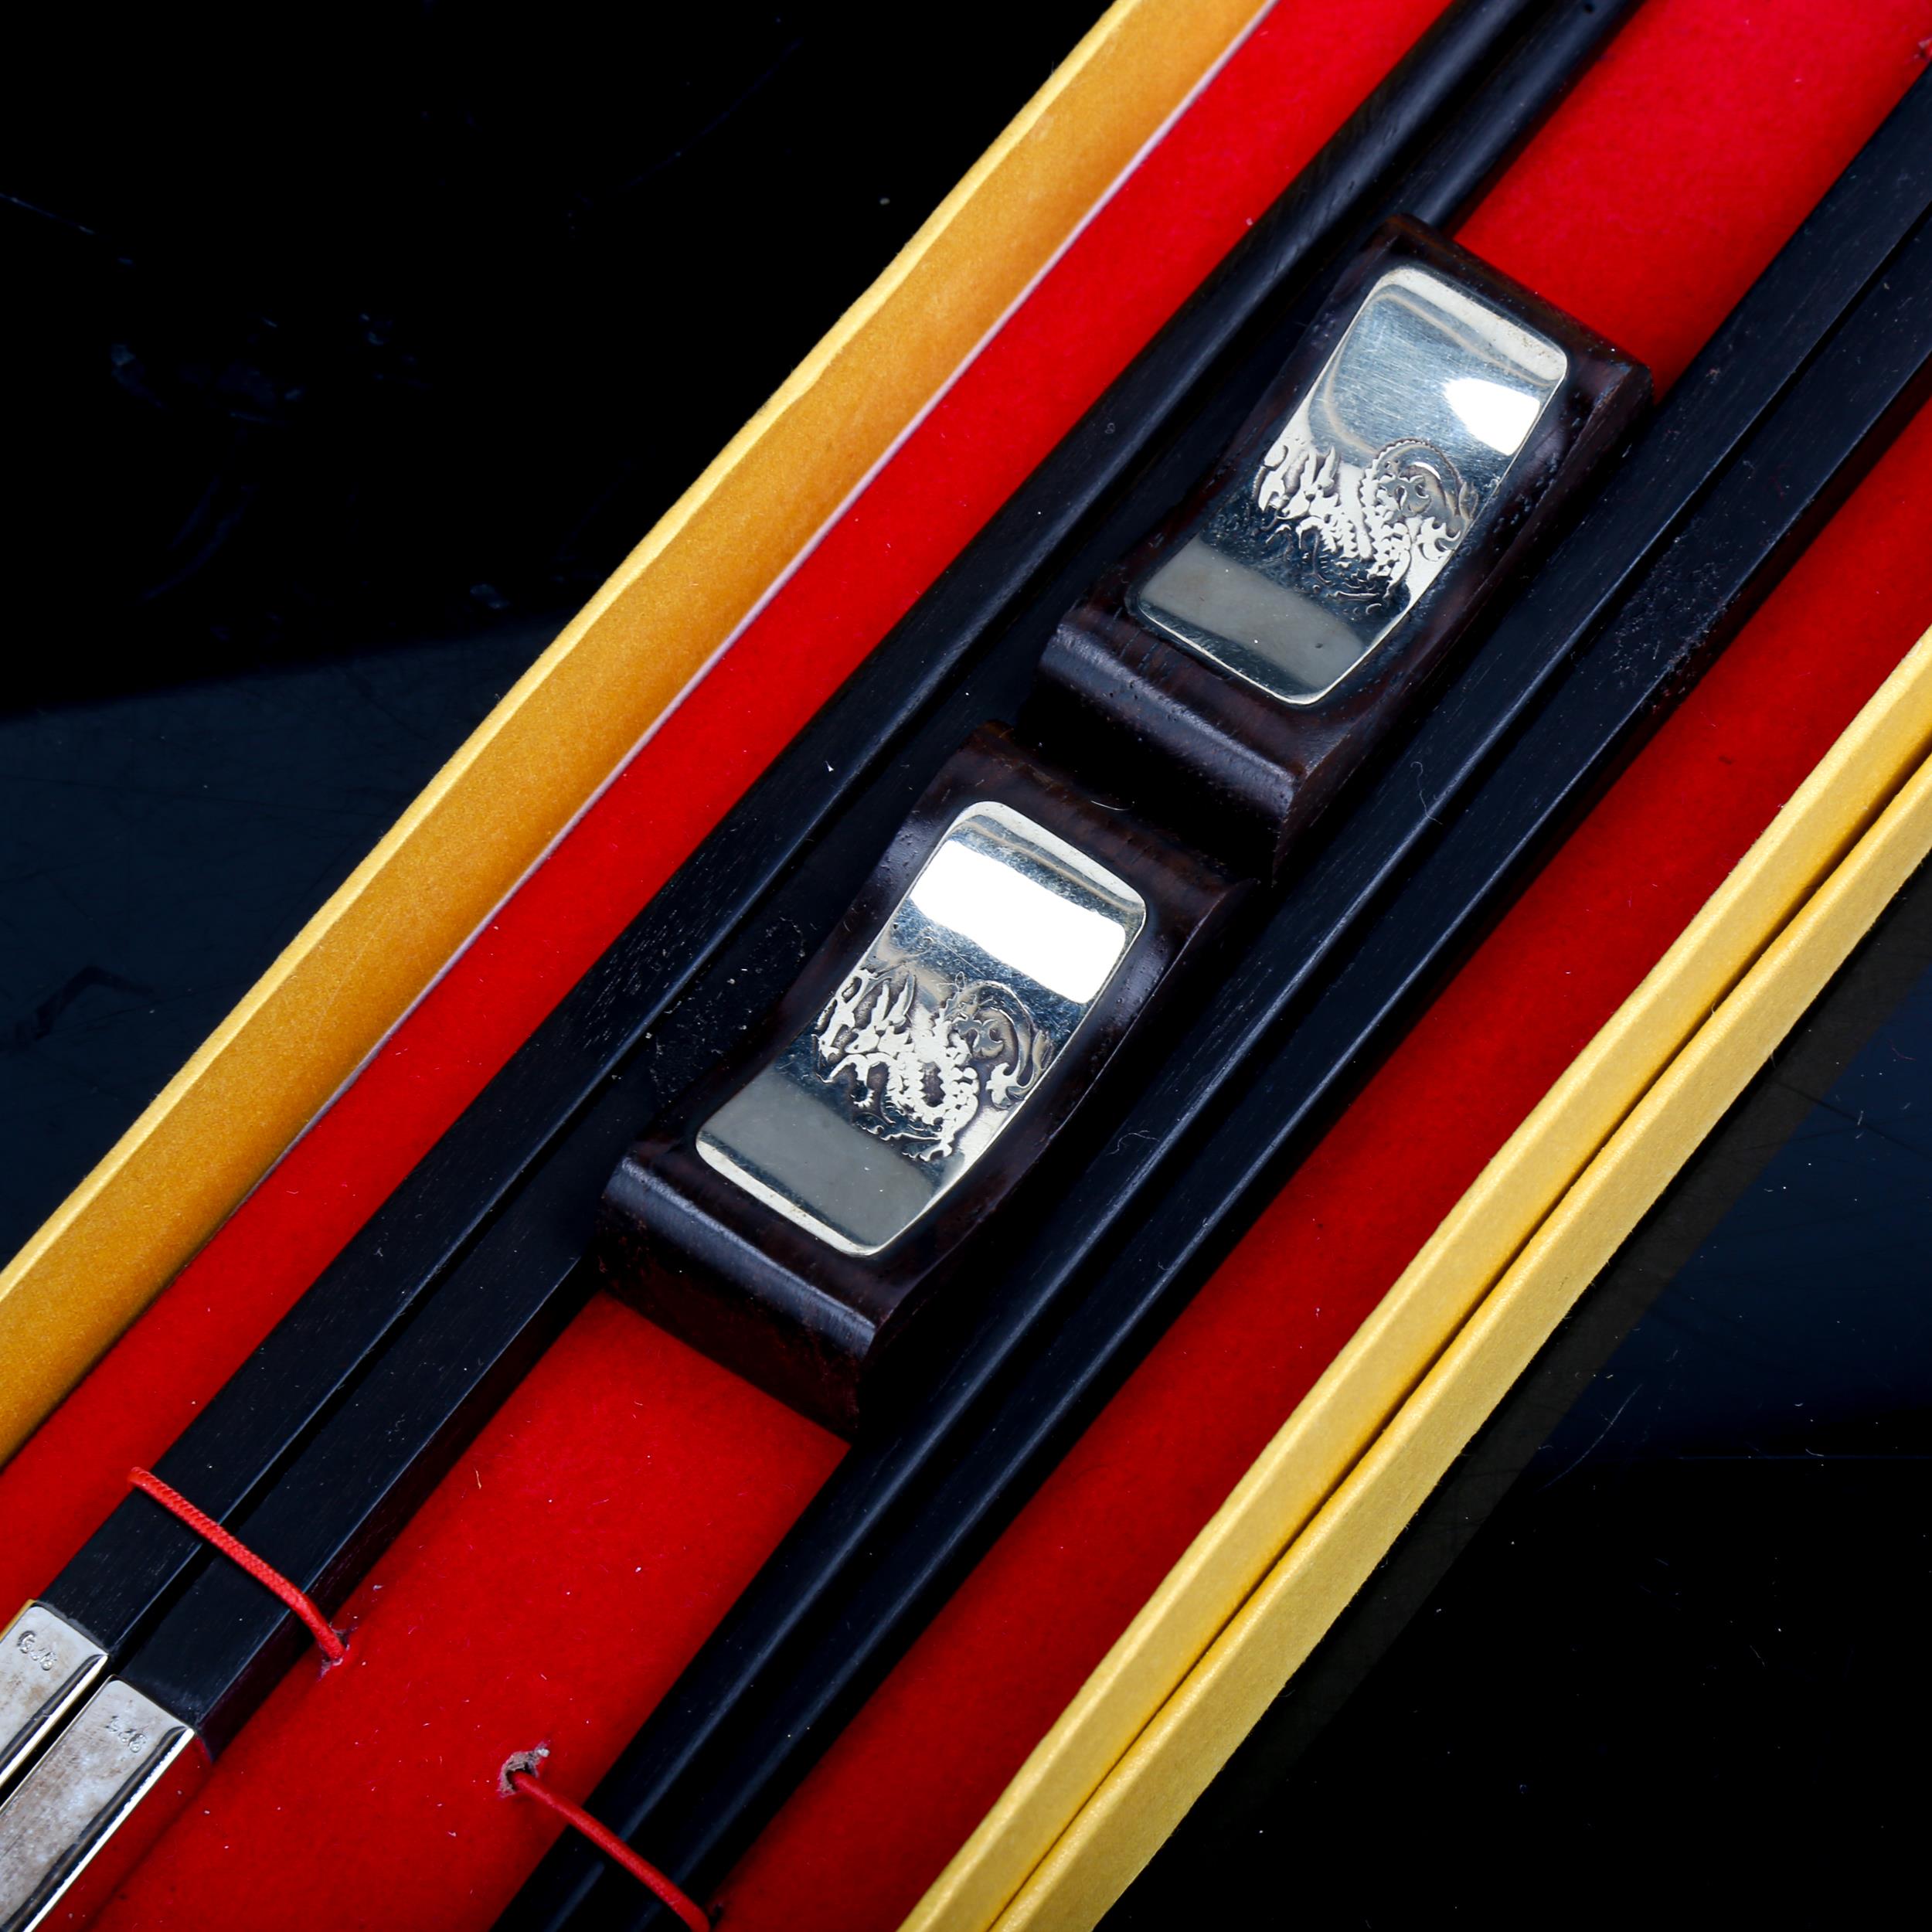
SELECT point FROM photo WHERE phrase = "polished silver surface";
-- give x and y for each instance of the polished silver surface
(1396, 453)
(937, 1039)
(47, 1667)
(111, 1762)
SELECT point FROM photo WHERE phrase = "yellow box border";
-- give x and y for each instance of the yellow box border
(493, 811)
(1320, 1506)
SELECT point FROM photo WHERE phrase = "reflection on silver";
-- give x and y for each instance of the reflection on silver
(47, 1667)
(936, 1039)
(111, 1760)
(1396, 453)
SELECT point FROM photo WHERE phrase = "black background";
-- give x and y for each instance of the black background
(347, 351)
(344, 355)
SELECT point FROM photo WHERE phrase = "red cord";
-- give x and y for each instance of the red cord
(520, 1779)
(204, 1525)
(607, 1841)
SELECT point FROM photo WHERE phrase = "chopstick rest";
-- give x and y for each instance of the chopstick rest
(791, 1214)
(1248, 654)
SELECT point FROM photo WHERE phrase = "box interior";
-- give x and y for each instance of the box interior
(576, 1556)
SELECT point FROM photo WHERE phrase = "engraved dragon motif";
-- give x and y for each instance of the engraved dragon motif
(917, 1075)
(1360, 530)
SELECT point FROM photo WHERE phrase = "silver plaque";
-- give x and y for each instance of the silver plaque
(1390, 461)
(111, 1762)
(936, 1039)
(47, 1666)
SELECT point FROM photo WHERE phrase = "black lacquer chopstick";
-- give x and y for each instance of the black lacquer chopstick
(1755, 449)
(724, 931)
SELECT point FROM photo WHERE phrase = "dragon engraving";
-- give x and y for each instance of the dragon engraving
(917, 1075)
(1361, 530)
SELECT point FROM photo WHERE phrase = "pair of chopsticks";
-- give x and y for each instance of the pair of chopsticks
(1802, 389)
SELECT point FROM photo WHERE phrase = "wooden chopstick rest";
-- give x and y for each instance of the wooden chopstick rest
(1251, 651)
(791, 1214)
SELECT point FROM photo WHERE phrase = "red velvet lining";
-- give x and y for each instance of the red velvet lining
(555, 1583)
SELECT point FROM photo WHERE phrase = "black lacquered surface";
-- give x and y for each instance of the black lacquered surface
(1661, 1632)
